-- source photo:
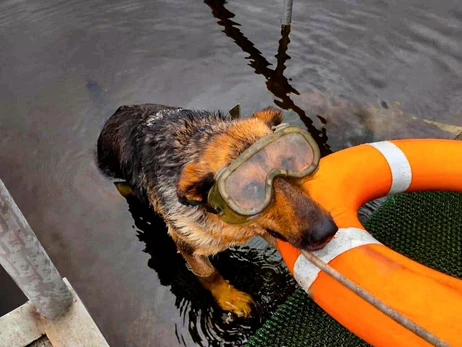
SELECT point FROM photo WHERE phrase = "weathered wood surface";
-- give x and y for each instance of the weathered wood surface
(41, 342)
(75, 328)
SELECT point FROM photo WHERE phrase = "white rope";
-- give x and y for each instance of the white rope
(393, 314)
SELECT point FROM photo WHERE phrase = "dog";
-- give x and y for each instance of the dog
(169, 158)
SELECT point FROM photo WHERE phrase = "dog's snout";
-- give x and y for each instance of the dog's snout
(323, 232)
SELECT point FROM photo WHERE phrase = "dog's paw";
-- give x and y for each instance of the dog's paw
(123, 188)
(232, 299)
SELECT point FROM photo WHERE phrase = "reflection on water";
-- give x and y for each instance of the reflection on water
(259, 272)
(276, 82)
(348, 121)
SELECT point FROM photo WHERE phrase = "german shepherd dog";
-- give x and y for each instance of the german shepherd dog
(169, 158)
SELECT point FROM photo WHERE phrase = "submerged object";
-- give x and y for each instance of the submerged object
(345, 181)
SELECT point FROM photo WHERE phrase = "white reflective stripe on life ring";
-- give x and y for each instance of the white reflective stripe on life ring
(399, 165)
(346, 238)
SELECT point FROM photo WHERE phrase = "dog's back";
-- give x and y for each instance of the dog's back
(119, 140)
(147, 145)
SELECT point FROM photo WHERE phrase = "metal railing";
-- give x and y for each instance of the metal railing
(25, 260)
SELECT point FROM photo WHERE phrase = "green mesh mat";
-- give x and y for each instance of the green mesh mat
(424, 226)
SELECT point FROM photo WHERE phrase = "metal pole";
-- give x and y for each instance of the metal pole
(287, 13)
(25, 260)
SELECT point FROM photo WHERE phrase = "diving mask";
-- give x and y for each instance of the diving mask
(243, 190)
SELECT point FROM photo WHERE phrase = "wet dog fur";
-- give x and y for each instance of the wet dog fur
(169, 157)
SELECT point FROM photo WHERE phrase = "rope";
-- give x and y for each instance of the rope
(393, 314)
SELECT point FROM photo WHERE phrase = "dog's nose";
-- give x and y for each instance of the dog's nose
(323, 232)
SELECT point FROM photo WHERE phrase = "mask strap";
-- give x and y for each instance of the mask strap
(280, 126)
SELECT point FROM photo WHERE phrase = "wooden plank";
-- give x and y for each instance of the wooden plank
(21, 326)
(75, 328)
(41, 342)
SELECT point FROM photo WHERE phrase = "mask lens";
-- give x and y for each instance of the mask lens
(291, 153)
(248, 186)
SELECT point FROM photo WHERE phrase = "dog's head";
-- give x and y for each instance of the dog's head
(292, 216)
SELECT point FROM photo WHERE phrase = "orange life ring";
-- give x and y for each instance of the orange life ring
(344, 182)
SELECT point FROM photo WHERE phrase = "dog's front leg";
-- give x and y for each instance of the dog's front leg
(270, 239)
(227, 296)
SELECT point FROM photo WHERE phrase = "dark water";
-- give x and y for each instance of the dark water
(350, 71)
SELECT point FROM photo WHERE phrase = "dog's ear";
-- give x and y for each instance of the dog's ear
(194, 185)
(270, 116)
